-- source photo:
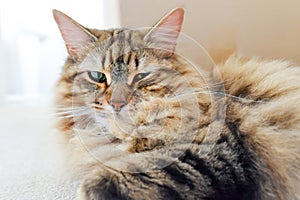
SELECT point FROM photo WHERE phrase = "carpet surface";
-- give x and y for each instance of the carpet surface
(31, 156)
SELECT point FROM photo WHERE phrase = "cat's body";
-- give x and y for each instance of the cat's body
(145, 127)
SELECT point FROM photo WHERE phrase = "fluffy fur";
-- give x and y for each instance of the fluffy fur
(166, 142)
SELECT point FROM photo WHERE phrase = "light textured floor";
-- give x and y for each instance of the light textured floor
(31, 161)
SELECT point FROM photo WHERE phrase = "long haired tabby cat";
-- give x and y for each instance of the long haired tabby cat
(139, 120)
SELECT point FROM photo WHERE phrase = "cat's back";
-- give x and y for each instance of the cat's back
(264, 101)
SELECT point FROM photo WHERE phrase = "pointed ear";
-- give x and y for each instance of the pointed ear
(165, 33)
(76, 37)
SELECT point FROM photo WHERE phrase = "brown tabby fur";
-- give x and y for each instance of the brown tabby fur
(253, 154)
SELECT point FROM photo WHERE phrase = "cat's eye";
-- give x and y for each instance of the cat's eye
(97, 76)
(139, 77)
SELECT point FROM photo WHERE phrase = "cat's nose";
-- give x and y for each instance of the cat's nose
(118, 95)
(117, 105)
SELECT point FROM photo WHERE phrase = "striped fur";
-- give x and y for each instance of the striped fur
(162, 147)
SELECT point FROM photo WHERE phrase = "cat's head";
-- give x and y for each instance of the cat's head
(128, 85)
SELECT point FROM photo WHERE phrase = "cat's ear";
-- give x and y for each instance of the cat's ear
(165, 33)
(76, 37)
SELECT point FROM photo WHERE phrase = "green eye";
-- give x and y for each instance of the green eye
(139, 77)
(97, 76)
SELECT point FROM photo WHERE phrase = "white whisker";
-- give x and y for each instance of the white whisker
(215, 93)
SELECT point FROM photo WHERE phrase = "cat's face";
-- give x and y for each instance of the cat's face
(128, 85)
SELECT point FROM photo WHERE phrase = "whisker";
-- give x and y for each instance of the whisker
(216, 93)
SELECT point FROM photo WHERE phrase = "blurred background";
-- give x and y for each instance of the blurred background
(32, 53)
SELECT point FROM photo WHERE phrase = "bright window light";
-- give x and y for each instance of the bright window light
(32, 51)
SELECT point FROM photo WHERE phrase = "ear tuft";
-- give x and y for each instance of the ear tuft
(76, 37)
(165, 33)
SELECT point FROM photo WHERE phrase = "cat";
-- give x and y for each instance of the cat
(141, 123)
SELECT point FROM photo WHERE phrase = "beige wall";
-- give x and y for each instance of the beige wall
(268, 28)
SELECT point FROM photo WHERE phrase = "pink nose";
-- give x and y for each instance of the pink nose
(117, 105)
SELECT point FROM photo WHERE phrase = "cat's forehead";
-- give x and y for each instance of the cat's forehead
(115, 47)
(121, 38)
